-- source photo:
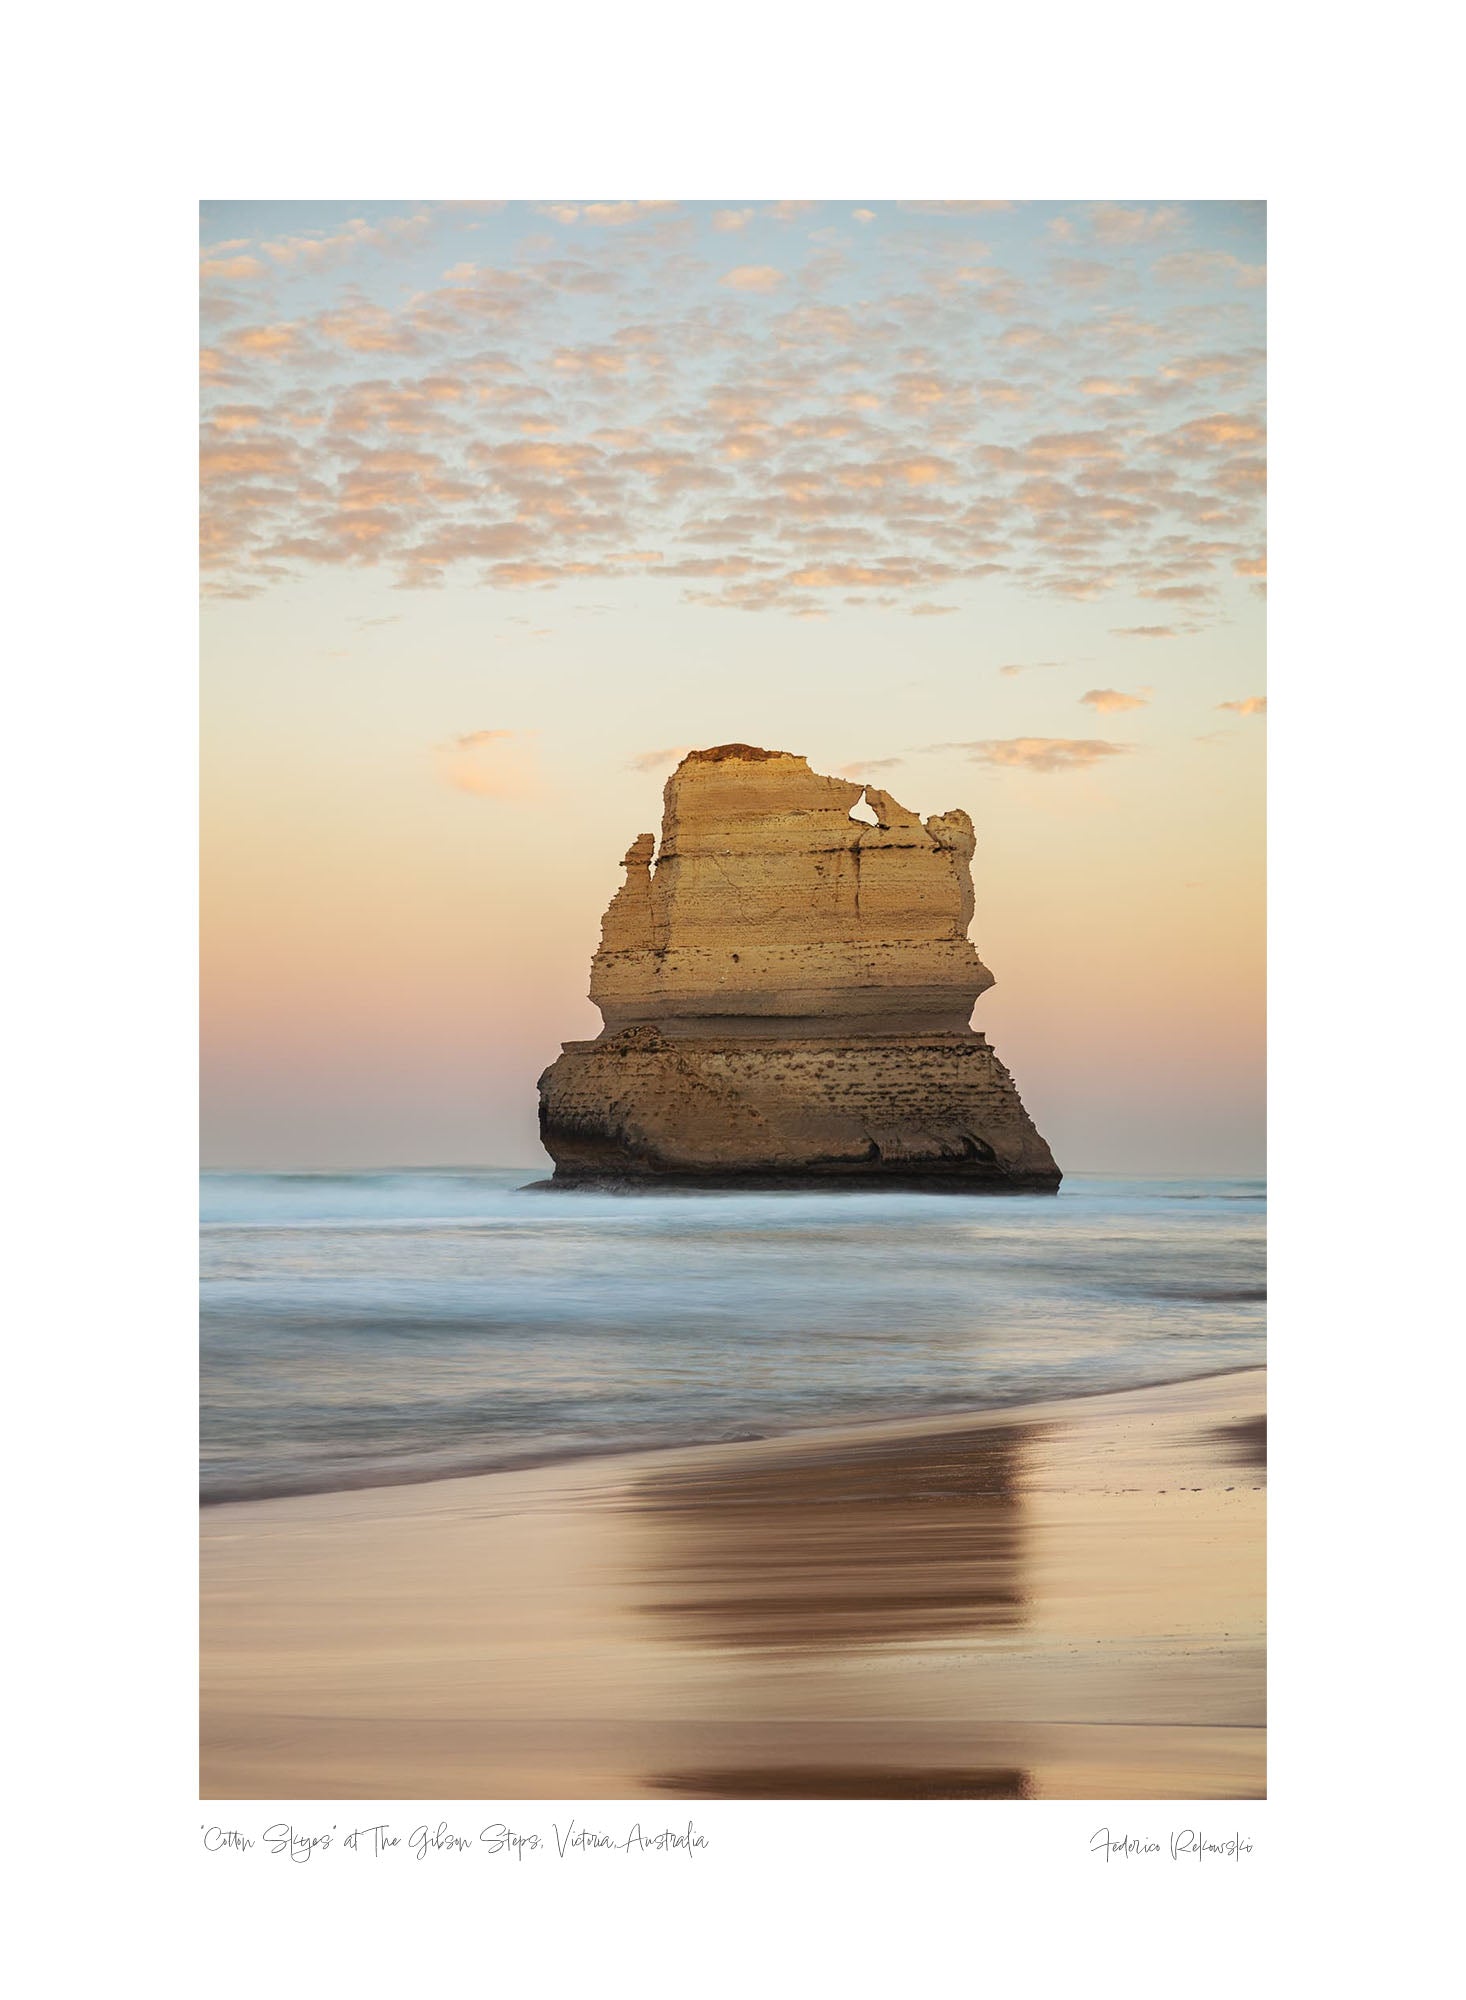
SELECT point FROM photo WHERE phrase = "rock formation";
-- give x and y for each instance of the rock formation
(786, 993)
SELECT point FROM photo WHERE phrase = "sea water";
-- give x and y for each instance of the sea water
(363, 1329)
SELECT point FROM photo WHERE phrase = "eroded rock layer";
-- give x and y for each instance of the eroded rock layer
(786, 992)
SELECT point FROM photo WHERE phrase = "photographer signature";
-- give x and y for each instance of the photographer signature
(1185, 1844)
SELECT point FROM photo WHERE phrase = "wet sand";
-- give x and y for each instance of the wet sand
(1058, 1601)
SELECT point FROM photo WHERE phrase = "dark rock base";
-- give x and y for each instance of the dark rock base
(937, 1112)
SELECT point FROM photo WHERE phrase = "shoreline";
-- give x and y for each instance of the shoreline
(541, 1461)
(1050, 1599)
(852, 1180)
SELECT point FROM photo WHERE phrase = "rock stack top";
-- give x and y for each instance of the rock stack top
(767, 903)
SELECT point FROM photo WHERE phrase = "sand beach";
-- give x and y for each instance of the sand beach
(1060, 1600)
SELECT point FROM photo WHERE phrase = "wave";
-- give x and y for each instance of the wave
(376, 1328)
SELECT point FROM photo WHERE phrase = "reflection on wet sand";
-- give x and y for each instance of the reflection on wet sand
(1060, 1602)
(854, 1781)
(813, 1547)
(1244, 1443)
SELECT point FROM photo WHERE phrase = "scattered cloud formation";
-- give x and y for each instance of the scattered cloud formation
(656, 760)
(1110, 701)
(579, 390)
(490, 764)
(1015, 667)
(1146, 631)
(1039, 753)
(1255, 704)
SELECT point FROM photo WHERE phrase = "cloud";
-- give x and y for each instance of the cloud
(1145, 631)
(728, 220)
(368, 329)
(932, 610)
(1016, 667)
(1120, 223)
(230, 267)
(1039, 753)
(490, 764)
(1110, 701)
(861, 769)
(596, 401)
(270, 343)
(236, 455)
(1212, 433)
(1255, 704)
(605, 214)
(1203, 268)
(921, 470)
(1178, 593)
(315, 250)
(752, 278)
(656, 760)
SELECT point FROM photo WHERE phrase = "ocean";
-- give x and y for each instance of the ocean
(363, 1329)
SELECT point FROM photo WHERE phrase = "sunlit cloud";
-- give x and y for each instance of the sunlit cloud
(1145, 631)
(1111, 701)
(272, 343)
(1255, 704)
(230, 267)
(368, 329)
(605, 214)
(864, 766)
(1038, 753)
(657, 760)
(753, 278)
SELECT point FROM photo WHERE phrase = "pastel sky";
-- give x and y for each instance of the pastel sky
(505, 505)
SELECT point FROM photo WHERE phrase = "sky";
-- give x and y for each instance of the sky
(507, 505)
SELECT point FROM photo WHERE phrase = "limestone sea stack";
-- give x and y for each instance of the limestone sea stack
(787, 994)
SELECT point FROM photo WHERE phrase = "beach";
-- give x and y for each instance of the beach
(1055, 1599)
